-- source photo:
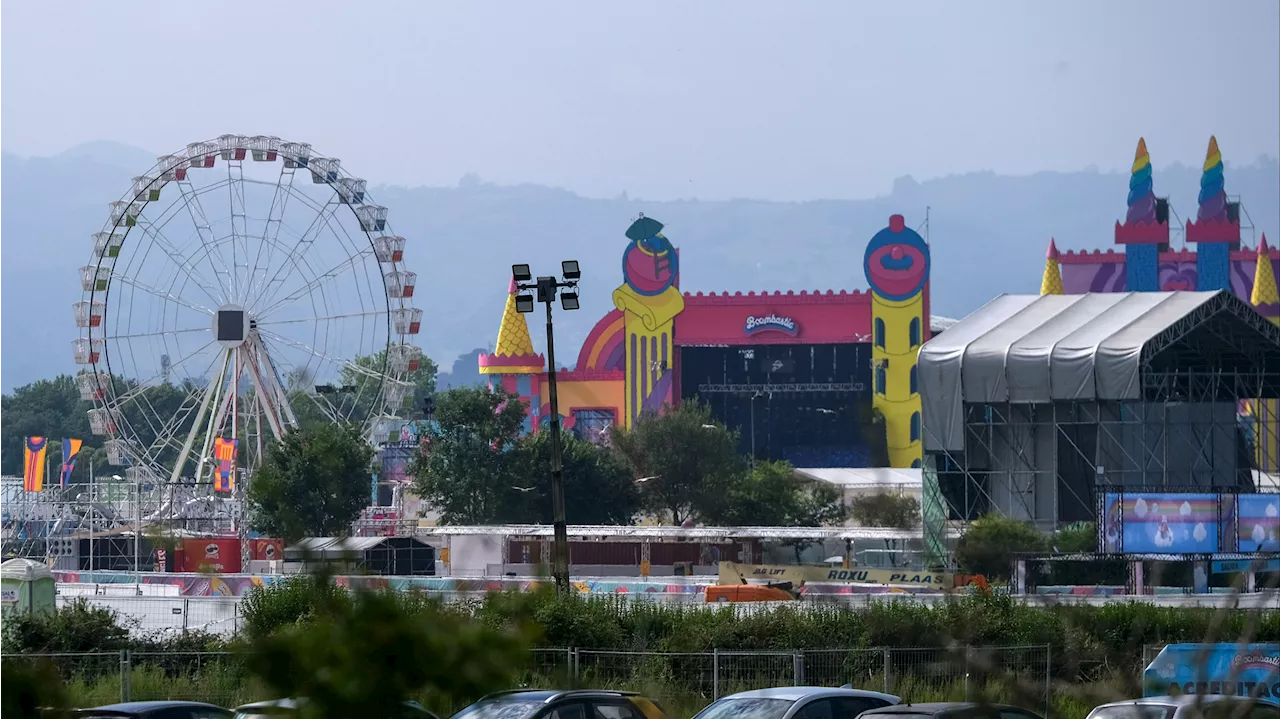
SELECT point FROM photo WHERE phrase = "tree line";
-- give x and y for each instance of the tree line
(476, 465)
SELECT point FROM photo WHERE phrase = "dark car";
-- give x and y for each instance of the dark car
(553, 704)
(154, 710)
(950, 710)
(281, 708)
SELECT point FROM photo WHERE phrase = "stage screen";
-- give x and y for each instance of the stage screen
(1151, 523)
(1258, 522)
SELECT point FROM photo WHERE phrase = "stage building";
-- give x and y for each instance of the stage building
(1149, 369)
(804, 376)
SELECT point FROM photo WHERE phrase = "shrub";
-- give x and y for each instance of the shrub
(77, 627)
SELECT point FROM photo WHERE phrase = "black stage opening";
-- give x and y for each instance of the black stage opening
(807, 404)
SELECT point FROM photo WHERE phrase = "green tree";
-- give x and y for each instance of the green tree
(463, 467)
(598, 486)
(366, 655)
(885, 509)
(771, 494)
(313, 483)
(1082, 538)
(991, 544)
(48, 408)
(685, 458)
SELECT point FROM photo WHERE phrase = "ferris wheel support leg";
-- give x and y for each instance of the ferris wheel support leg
(288, 419)
(207, 447)
(265, 398)
(195, 426)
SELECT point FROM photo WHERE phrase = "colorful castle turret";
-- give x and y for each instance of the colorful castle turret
(1051, 283)
(897, 268)
(513, 364)
(1143, 234)
(650, 299)
(1214, 230)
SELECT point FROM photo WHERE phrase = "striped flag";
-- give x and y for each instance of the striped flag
(33, 452)
(224, 451)
(70, 450)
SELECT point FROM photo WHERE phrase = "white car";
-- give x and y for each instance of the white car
(1189, 706)
(797, 703)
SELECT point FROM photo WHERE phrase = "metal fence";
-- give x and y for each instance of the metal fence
(918, 674)
(1020, 673)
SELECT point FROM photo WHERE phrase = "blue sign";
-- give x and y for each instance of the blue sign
(1232, 669)
(773, 323)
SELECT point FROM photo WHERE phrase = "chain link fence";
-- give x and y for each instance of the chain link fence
(915, 674)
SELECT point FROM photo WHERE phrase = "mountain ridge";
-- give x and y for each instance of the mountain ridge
(988, 233)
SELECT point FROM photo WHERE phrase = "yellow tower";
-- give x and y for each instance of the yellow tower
(1266, 412)
(649, 299)
(513, 364)
(1051, 283)
(897, 268)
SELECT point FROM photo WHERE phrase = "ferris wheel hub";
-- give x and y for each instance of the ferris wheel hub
(231, 325)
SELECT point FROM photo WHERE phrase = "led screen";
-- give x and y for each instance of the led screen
(1160, 523)
(1258, 522)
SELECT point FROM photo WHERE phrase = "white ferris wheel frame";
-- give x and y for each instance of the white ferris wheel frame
(246, 354)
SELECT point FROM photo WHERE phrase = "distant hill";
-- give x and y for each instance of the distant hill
(988, 232)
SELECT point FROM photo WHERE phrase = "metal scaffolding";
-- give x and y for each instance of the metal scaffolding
(1185, 425)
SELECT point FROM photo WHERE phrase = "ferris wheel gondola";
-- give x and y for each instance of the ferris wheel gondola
(231, 281)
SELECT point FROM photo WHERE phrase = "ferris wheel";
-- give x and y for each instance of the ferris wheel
(241, 288)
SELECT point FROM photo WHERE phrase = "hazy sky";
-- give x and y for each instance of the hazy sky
(776, 100)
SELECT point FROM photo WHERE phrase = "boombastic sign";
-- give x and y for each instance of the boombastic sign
(771, 322)
(1234, 669)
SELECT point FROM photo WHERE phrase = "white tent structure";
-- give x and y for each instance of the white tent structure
(1031, 402)
(855, 482)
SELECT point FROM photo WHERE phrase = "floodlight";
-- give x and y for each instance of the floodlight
(524, 304)
(522, 273)
(547, 287)
(569, 300)
(569, 268)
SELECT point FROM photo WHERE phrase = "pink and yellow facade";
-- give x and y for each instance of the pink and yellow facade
(830, 352)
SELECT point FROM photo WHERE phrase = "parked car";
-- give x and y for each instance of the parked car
(277, 708)
(797, 703)
(1189, 706)
(951, 710)
(154, 710)
(573, 704)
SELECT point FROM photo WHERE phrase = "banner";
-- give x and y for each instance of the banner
(1160, 523)
(1232, 669)
(224, 451)
(33, 453)
(70, 450)
(734, 573)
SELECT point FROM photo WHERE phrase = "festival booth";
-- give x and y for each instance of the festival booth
(396, 556)
(27, 586)
(1231, 669)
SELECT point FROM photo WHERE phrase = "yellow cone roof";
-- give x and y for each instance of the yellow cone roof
(1051, 283)
(1264, 279)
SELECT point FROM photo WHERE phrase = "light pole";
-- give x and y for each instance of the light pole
(547, 288)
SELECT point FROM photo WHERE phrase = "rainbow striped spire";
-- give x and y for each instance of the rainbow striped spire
(1213, 195)
(1142, 196)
